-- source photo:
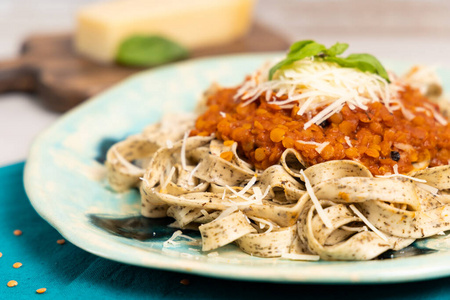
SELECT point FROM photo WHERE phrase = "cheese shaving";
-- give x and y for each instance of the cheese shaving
(319, 146)
(436, 114)
(132, 168)
(183, 151)
(191, 174)
(348, 141)
(316, 202)
(428, 188)
(314, 84)
(248, 185)
(401, 175)
(395, 168)
(227, 212)
(263, 223)
(370, 225)
(168, 179)
(169, 144)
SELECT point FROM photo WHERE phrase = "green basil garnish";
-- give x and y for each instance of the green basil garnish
(149, 51)
(308, 48)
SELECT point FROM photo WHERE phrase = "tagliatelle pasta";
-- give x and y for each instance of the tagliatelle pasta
(292, 208)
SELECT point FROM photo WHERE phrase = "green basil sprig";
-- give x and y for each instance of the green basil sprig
(149, 51)
(308, 48)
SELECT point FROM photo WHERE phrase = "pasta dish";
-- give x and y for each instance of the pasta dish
(313, 156)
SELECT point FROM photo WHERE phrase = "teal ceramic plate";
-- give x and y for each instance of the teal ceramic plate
(65, 182)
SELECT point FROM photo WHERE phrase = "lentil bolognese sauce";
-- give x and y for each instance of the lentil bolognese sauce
(377, 138)
(316, 156)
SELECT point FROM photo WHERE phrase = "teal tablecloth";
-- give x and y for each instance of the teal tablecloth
(71, 273)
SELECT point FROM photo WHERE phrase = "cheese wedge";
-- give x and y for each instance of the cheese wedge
(101, 27)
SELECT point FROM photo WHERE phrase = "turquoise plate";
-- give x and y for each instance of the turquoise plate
(64, 179)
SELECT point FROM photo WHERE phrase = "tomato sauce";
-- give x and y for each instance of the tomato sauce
(375, 137)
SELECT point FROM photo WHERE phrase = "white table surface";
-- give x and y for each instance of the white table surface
(407, 30)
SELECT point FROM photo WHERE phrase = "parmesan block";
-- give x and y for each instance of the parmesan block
(101, 27)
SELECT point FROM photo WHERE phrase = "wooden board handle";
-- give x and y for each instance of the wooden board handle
(17, 76)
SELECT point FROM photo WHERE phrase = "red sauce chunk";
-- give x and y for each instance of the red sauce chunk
(375, 137)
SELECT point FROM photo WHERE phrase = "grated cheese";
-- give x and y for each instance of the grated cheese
(348, 141)
(316, 202)
(319, 146)
(144, 180)
(401, 175)
(436, 114)
(227, 212)
(192, 174)
(395, 168)
(428, 188)
(223, 114)
(183, 151)
(132, 168)
(314, 84)
(370, 225)
(263, 223)
(169, 144)
(357, 229)
(248, 185)
(168, 179)
(175, 235)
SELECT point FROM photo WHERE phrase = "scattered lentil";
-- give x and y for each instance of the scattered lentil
(17, 232)
(61, 241)
(12, 283)
(41, 290)
(17, 265)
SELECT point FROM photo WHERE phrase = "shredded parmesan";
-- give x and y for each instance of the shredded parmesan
(175, 235)
(348, 141)
(370, 225)
(428, 188)
(168, 179)
(316, 202)
(436, 114)
(132, 168)
(401, 175)
(319, 146)
(248, 185)
(227, 212)
(314, 84)
(263, 223)
(192, 174)
(395, 168)
(223, 114)
(183, 151)
(357, 229)
(293, 256)
(169, 144)
(144, 180)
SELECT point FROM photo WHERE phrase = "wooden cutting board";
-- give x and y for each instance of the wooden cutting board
(49, 67)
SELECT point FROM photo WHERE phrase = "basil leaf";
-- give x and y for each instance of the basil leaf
(362, 61)
(149, 51)
(337, 49)
(297, 46)
(300, 51)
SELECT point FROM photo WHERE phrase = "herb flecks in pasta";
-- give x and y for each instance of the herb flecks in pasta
(253, 171)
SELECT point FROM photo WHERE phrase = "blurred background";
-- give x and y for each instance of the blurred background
(406, 30)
